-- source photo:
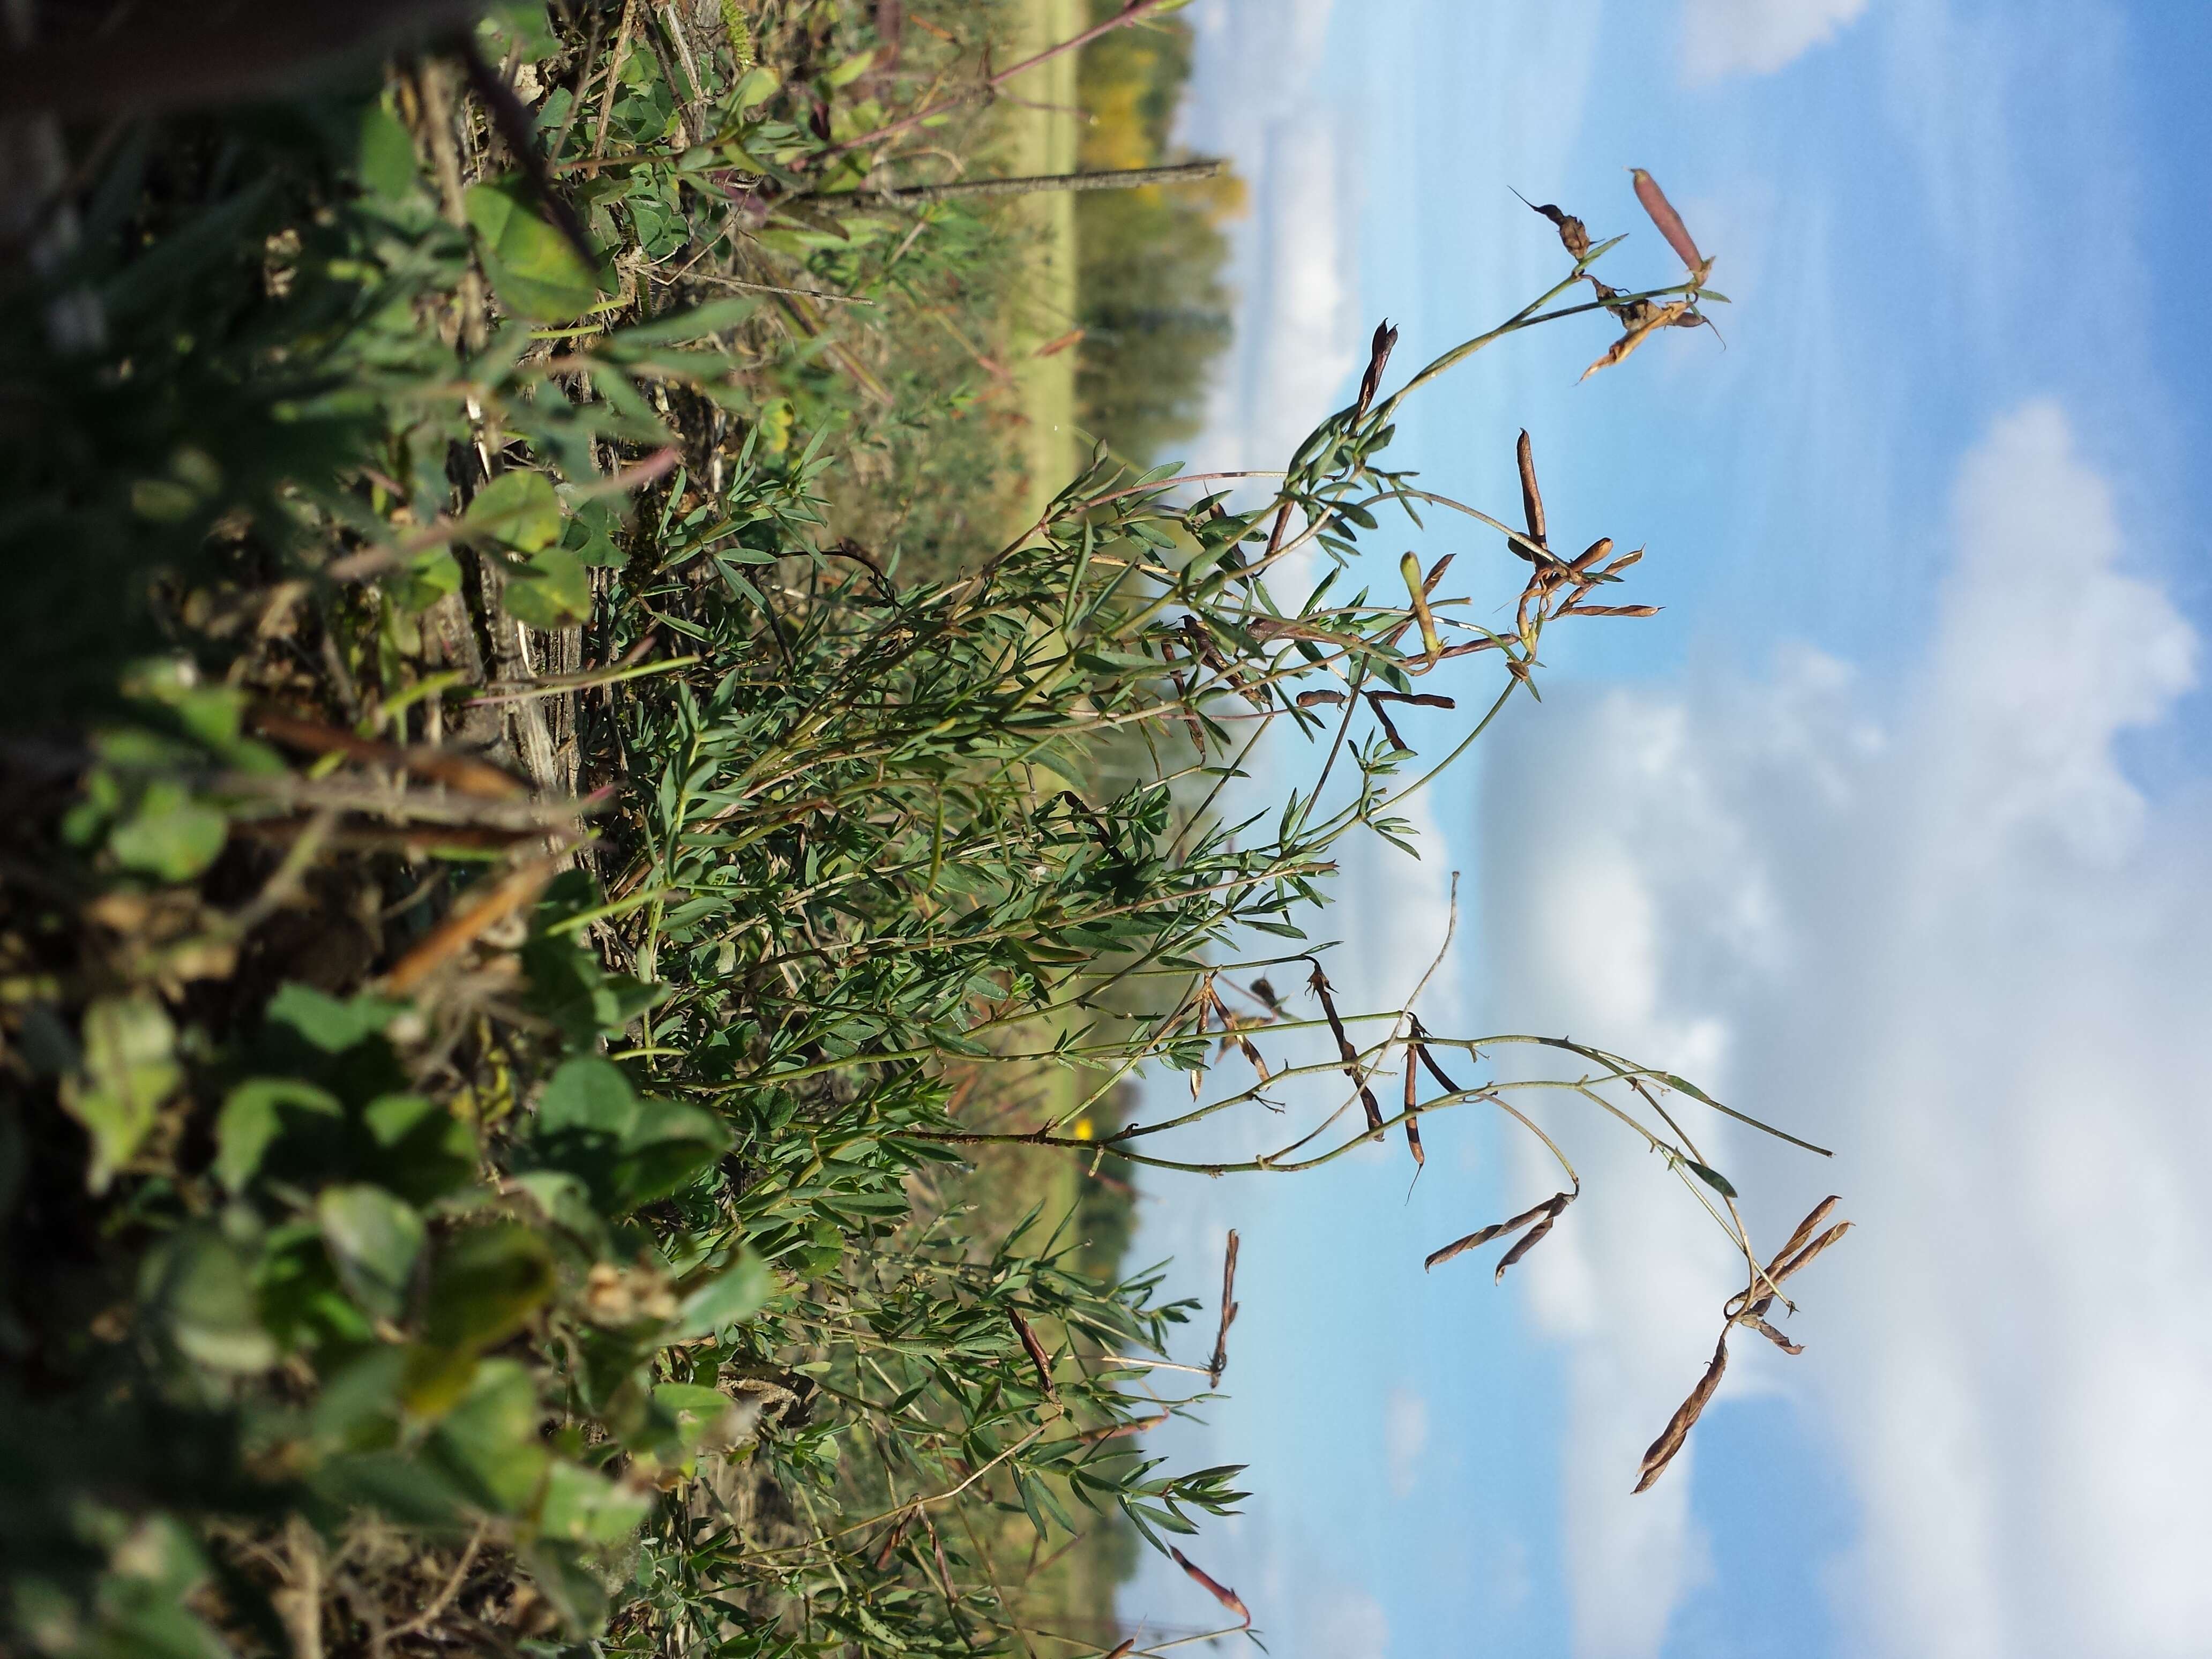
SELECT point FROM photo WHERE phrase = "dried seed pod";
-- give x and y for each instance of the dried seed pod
(1038, 1357)
(1669, 222)
(1548, 1211)
(1609, 610)
(1213, 1586)
(1350, 1055)
(1219, 1362)
(1123, 1649)
(1662, 1451)
(1770, 1333)
(1573, 236)
(1378, 358)
(1591, 555)
(1533, 1237)
(1429, 1060)
(1419, 699)
(1121, 1430)
(1804, 1257)
(1413, 1123)
(1320, 699)
(1532, 499)
(1389, 731)
(1806, 1229)
(1619, 351)
(891, 1540)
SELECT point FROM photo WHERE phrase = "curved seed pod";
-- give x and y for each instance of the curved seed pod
(1219, 1362)
(1806, 1229)
(1662, 1451)
(1770, 1333)
(1038, 1357)
(1547, 1212)
(1320, 985)
(1804, 1257)
(1533, 1237)
(1413, 1123)
(1378, 358)
(1532, 499)
(1213, 1586)
(1669, 222)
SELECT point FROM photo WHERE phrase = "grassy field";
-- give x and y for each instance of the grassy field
(1044, 135)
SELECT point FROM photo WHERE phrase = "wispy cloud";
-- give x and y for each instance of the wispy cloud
(1722, 38)
(1405, 1439)
(1939, 928)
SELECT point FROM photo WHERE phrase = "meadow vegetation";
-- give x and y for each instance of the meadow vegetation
(579, 907)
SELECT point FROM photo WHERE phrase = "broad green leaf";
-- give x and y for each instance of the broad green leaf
(259, 1112)
(851, 69)
(426, 1151)
(130, 1069)
(553, 591)
(201, 1286)
(586, 1507)
(485, 1285)
(590, 537)
(385, 162)
(374, 1238)
(630, 1152)
(489, 1441)
(519, 509)
(532, 267)
(732, 1295)
(702, 1415)
(171, 837)
(1712, 1178)
(327, 1023)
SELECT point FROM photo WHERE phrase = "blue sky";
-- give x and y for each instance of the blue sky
(1891, 826)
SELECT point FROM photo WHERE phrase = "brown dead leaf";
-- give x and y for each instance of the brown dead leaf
(1619, 351)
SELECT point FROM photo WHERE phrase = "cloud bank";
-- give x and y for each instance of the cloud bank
(1723, 38)
(1936, 927)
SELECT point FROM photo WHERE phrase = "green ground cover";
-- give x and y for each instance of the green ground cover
(577, 913)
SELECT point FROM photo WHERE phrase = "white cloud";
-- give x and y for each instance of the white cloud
(1405, 1439)
(1349, 1625)
(1939, 929)
(1721, 38)
(1294, 266)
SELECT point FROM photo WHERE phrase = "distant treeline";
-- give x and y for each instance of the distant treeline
(1154, 309)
